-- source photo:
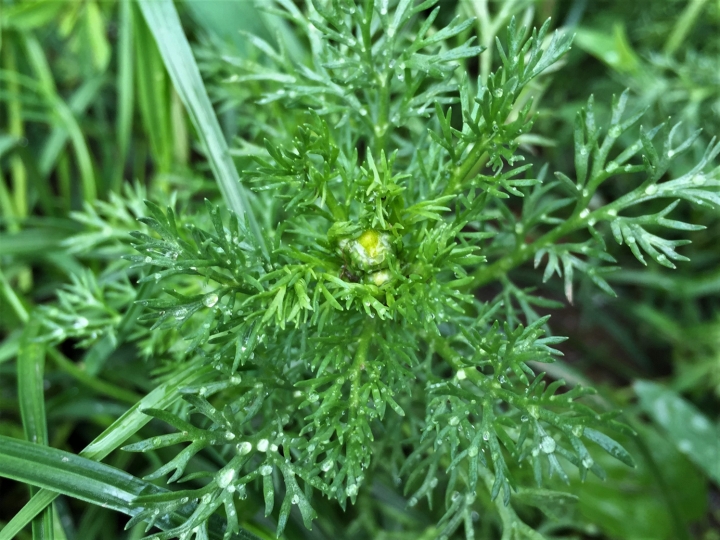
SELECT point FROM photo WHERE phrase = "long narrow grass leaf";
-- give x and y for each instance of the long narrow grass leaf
(163, 20)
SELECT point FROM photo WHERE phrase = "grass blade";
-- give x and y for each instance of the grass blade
(30, 371)
(164, 23)
(686, 427)
(68, 474)
(110, 439)
(59, 472)
(125, 89)
(153, 95)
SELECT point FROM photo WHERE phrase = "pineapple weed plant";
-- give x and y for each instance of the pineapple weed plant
(352, 334)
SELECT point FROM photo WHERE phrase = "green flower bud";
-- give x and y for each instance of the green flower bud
(371, 251)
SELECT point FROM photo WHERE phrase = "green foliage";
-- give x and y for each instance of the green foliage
(350, 325)
(396, 234)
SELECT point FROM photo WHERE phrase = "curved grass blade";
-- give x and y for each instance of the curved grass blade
(110, 439)
(87, 480)
(163, 21)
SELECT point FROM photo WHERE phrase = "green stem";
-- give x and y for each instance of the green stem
(13, 299)
(6, 205)
(524, 252)
(683, 26)
(467, 166)
(88, 380)
(337, 211)
(358, 366)
(513, 526)
(18, 173)
(381, 128)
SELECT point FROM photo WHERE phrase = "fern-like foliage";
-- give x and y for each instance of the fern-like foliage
(355, 350)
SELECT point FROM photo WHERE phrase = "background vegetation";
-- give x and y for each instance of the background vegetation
(92, 124)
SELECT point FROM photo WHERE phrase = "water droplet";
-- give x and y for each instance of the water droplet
(486, 436)
(295, 499)
(461, 375)
(651, 189)
(547, 444)
(210, 300)
(229, 435)
(225, 477)
(265, 470)
(587, 462)
(473, 451)
(148, 259)
(327, 465)
(262, 445)
(65, 459)
(244, 448)
(454, 421)
(180, 313)
(80, 322)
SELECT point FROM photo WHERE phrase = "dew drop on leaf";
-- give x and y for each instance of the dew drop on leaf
(210, 300)
(225, 478)
(547, 444)
(244, 448)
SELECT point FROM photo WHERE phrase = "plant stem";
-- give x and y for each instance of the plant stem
(18, 172)
(336, 209)
(524, 252)
(88, 380)
(683, 26)
(513, 526)
(13, 299)
(463, 171)
(358, 365)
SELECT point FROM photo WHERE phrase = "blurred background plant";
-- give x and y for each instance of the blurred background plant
(92, 125)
